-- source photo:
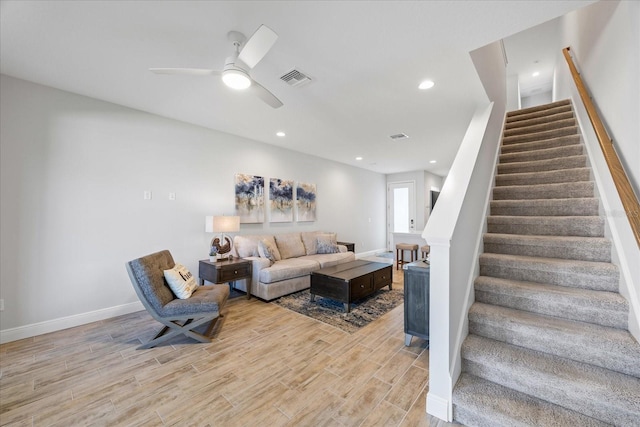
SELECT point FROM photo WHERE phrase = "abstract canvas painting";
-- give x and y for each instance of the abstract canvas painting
(281, 200)
(306, 201)
(250, 198)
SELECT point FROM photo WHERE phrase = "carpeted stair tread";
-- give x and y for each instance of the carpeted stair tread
(584, 226)
(546, 207)
(540, 127)
(598, 307)
(565, 247)
(598, 276)
(542, 154)
(541, 144)
(537, 145)
(544, 177)
(602, 346)
(525, 122)
(590, 390)
(547, 134)
(564, 190)
(570, 162)
(552, 108)
(482, 403)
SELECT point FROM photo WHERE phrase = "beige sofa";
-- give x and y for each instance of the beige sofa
(298, 257)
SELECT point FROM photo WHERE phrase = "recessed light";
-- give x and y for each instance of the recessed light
(432, 161)
(280, 133)
(536, 74)
(427, 84)
(359, 158)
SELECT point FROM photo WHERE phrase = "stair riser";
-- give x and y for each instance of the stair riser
(562, 141)
(595, 280)
(572, 130)
(550, 177)
(562, 227)
(567, 309)
(544, 191)
(548, 153)
(539, 120)
(545, 207)
(541, 127)
(599, 252)
(552, 389)
(572, 162)
(557, 343)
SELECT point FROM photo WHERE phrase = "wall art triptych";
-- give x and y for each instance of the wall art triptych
(283, 197)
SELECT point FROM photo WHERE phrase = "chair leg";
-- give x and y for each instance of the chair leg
(173, 328)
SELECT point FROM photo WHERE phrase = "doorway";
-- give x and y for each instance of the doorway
(401, 209)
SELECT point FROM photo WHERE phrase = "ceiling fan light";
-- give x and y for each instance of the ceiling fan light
(236, 79)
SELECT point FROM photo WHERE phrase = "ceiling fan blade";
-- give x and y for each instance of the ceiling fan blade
(261, 92)
(257, 46)
(186, 71)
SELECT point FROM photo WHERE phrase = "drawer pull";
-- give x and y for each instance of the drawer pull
(362, 286)
(235, 272)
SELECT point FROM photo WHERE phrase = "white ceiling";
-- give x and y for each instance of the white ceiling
(366, 59)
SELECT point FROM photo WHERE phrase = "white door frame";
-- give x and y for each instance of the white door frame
(411, 185)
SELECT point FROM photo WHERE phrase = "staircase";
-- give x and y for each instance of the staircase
(548, 343)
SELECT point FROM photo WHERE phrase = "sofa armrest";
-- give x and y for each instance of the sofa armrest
(258, 264)
(342, 248)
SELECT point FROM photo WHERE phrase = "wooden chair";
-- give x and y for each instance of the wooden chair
(179, 316)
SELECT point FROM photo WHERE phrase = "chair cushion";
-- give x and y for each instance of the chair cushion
(149, 277)
(206, 299)
(181, 281)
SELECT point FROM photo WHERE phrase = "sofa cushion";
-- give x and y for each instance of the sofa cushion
(247, 245)
(288, 269)
(267, 249)
(327, 244)
(181, 281)
(329, 260)
(310, 241)
(290, 245)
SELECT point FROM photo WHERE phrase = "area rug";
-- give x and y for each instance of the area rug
(332, 312)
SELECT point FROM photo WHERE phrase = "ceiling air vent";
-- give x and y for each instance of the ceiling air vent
(399, 136)
(295, 78)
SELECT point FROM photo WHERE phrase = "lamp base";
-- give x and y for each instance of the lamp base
(222, 257)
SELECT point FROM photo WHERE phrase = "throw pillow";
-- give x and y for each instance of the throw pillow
(327, 244)
(310, 241)
(181, 281)
(268, 250)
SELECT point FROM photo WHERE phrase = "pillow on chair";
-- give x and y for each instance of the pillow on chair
(181, 281)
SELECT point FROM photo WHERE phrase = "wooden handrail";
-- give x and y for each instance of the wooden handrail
(620, 179)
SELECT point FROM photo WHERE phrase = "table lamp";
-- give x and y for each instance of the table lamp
(221, 245)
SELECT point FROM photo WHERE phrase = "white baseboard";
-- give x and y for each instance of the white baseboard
(438, 407)
(370, 253)
(27, 331)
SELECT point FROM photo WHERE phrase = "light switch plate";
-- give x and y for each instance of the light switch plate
(147, 195)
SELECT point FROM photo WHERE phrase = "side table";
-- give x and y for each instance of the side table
(226, 271)
(350, 246)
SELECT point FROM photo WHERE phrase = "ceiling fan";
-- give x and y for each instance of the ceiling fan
(237, 67)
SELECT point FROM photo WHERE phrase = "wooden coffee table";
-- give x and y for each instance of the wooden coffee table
(350, 281)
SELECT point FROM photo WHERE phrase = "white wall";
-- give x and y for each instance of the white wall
(537, 99)
(73, 174)
(605, 40)
(431, 181)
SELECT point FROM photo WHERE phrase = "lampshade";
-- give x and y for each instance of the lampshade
(222, 224)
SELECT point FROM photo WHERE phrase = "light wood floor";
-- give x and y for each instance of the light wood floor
(266, 366)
